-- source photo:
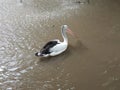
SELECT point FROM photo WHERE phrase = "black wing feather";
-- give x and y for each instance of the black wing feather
(46, 48)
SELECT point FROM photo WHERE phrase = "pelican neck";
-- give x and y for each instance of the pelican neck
(64, 35)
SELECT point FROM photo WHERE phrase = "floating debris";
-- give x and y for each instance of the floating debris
(81, 2)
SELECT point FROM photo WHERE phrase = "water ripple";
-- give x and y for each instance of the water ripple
(20, 26)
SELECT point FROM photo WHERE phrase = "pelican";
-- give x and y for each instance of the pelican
(56, 47)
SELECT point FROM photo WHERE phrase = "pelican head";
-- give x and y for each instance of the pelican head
(66, 29)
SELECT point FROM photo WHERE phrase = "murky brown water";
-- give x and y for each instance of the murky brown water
(90, 63)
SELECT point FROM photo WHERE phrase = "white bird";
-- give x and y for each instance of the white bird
(55, 47)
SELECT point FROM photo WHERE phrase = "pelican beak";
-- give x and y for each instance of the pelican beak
(70, 32)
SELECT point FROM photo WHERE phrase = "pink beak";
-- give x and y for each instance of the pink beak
(70, 32)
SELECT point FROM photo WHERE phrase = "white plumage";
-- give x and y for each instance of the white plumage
(59, 48)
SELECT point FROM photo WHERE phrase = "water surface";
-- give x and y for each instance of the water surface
(90, 63)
